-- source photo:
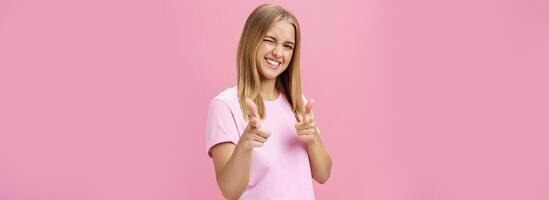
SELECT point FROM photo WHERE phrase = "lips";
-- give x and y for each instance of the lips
(273, 64)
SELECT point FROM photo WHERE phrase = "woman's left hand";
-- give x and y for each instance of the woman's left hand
(306, 128)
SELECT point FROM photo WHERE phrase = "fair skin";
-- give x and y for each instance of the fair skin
(232, 162)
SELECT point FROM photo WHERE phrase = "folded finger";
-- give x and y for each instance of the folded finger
(306, 132)
(302, 125)
(259, 138)
(263, 133)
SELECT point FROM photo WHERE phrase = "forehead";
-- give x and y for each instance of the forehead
(282, 30)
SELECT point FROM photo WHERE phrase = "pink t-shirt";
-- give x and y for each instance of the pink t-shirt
(280, 169)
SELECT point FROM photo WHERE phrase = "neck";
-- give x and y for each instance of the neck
(268, 89)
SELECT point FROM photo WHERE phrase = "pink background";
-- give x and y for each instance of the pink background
(427, 99)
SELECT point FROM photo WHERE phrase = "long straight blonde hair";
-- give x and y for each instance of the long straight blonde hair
(248, 78)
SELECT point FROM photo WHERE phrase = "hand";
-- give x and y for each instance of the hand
(254, 135)
(306, 128)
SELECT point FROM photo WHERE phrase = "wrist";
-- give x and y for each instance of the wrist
(314, 141)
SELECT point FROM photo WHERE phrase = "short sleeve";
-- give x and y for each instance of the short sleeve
(220, 125)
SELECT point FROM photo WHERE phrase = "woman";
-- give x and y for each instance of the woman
(261, 134)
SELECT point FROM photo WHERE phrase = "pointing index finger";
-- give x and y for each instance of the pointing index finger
(252, 108)
(308, 111)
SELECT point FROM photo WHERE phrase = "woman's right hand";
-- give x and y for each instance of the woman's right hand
(254, 135)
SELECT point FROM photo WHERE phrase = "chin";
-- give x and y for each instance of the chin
(268, 73)
(269, 76)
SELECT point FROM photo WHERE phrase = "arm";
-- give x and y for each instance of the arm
(232, 162)
(232, 168)
(320, 160)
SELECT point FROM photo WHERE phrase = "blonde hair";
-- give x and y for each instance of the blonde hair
(248, 79)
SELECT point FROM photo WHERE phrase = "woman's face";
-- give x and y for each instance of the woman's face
(276, 50)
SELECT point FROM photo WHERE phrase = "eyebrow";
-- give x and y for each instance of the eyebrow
(273, 38)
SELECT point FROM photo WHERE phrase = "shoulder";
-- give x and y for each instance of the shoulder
(226, 99)
(228, 96)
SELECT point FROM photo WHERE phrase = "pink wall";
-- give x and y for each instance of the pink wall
(416, 99)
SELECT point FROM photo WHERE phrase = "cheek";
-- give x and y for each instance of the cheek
(260, 54)
(288, 57)
(263, 50)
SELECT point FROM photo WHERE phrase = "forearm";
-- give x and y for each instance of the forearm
(320, 160)
(234, 177)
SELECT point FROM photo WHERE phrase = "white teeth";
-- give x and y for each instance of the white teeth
(272, 62)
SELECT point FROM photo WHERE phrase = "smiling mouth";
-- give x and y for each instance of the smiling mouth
(272, 63)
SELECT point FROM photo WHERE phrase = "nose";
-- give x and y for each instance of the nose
(277, 53)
